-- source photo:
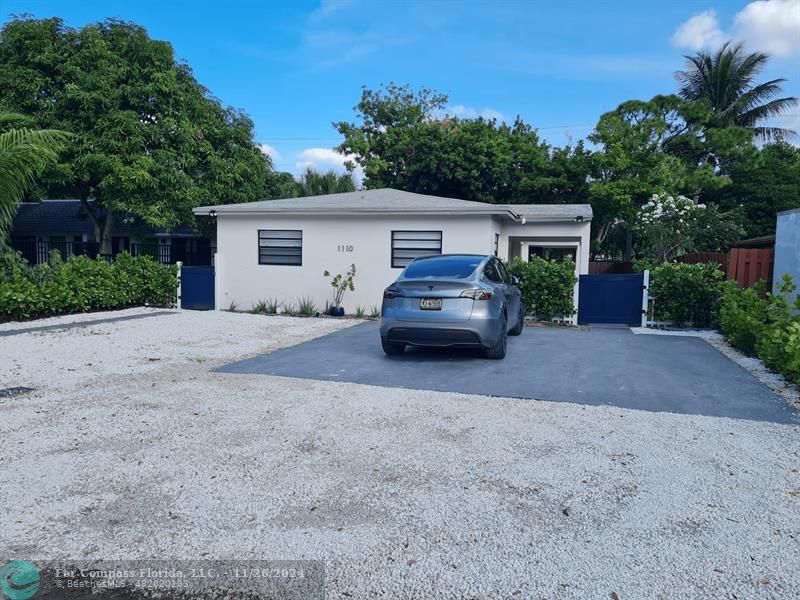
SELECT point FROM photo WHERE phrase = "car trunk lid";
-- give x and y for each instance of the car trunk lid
(408, 305)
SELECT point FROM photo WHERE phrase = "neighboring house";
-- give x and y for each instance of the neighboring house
(280, 248)
(787, 248)
(63, 225)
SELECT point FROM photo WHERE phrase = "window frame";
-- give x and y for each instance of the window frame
(491, 266)
(503, 271)
(273, 264)
(392, 248)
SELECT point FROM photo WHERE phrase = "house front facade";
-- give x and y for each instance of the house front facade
(279, 249)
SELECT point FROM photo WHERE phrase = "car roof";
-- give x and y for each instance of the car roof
(435, 256)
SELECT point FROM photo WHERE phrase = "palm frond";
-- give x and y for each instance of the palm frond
(24, 153)
(725, 82)
(755, 115)
(772, 134)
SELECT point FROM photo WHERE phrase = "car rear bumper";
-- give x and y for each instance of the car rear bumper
(425, 336)
(470, 334)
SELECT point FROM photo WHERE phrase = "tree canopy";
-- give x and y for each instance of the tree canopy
(403, 140)
(667, 145)
(149, 140)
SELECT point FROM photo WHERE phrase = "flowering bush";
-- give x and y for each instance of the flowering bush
(666, 226)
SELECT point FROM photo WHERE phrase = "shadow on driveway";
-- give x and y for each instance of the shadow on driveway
(595, 366)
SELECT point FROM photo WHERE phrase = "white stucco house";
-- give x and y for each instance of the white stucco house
(280, 248)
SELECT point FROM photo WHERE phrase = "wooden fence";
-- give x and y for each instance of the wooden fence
(609, 267)
(746, 266)
(749, 265)
(703, 257)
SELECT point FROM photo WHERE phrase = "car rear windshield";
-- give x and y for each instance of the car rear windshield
(443, 267)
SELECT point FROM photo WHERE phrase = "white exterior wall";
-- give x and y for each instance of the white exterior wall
(242, 280)
(552, 230)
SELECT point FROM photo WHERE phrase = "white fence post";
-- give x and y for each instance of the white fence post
(217, 281)
(645, 295)
(179, 264)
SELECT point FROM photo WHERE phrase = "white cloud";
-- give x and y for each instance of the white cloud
(324, 159)
(321, 158)
(467, 112)
(270, 151)
(490, 113)
(701, 31)
(771, 26)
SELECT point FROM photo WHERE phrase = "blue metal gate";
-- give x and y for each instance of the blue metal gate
(197, 288)
(610, 299)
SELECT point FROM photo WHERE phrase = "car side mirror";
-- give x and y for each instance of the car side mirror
(514, 280)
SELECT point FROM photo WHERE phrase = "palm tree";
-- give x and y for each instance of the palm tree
(316, 183)
(24, 153)
(725, 82)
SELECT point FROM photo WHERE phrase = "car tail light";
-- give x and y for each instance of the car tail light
(391, 293)
(476, 294)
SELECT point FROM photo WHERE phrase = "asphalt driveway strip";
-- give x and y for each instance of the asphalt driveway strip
(594, 366)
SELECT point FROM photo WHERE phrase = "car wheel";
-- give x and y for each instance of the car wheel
(392, 349)
(520, 321)
(498, 351)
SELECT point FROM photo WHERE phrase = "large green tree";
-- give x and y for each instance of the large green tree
(653, 147)
(150, 141)
(24, 153)
(725, 81)
(403, 139)
(764, 182)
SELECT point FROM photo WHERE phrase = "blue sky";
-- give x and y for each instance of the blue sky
(296, 66)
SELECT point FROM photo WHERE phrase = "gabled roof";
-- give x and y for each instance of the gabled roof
(391, 201)
(67, 217)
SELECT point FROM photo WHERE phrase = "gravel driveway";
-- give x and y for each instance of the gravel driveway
(131, 447)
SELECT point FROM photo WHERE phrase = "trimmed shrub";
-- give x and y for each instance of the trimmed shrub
(743, 315)
(547, 286)
(687, 292)
(765, 325)
(82, 284)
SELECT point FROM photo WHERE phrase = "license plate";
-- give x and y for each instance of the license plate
(430, 303)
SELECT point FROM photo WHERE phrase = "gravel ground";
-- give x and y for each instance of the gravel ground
(131, 448)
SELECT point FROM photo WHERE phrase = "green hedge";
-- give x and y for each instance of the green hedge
(547, 286)
(82, 284)
(765, 325)
(687, 293)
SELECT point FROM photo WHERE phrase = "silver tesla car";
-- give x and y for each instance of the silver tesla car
(459, 300)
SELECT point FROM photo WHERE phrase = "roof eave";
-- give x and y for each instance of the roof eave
(206, 210)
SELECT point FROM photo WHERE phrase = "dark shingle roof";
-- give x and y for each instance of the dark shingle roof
(67, 217)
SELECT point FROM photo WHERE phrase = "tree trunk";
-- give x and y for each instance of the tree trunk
(103, 226)
(107, 233)
(628, 245)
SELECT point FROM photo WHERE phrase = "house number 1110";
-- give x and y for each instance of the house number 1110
(345, 247)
